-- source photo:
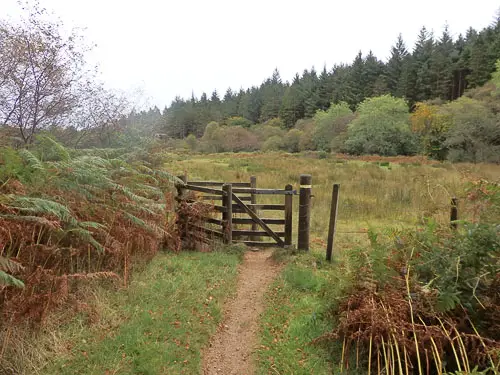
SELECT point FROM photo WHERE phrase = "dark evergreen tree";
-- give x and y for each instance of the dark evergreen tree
(397, 69)
(292, 107)
(420, 82)
(215, 106)
(373, 77)
(325, 89)
(355, 88)
(309, 85)
(230, 104)
(272, 95)
(479, 63)
(442, 66)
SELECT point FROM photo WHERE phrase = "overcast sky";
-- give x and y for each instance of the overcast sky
(171, 48)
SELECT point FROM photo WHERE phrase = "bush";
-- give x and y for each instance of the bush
(239, 121)
(292, 140)
(191, 142)
(264, 132)
(236, 139)
(330, 124)
(274, 143)
(322, 154)
(433, 282)
(381, 127)
(276, 122)
(474, 133)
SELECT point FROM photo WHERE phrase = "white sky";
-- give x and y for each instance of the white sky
(171, 48)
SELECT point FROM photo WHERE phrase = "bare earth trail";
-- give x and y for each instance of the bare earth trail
(230, 350)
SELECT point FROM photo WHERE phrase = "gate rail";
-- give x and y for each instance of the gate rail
(228, 199)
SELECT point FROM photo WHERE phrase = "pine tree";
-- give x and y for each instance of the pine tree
(373, 77)
(341, 84)
(292, 108)
(230, 104)
(461, 67)
(355, 82)
(325, 90)
(442, 63)
(397, 68)
(309, 85)
(419, 76)
(272, 95)
(479, 63)
(215, 106)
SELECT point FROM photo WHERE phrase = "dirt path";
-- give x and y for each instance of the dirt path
(230, 350)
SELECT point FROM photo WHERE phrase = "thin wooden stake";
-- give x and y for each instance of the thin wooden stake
(288, 216)
(454, 213)
(304, 211)
(333, 221)
(227, 216)
(253, 200)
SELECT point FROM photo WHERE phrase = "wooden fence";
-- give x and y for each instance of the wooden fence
(234, 206)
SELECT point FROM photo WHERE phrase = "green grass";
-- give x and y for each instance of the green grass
(159, 325)
(293, 318)
(385, 196)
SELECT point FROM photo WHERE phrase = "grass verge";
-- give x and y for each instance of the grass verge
(159, 325)
(293, 318)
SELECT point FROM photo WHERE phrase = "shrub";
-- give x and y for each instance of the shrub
(381, 127)
(431, 294)
(191, 142)
(276, 122)
(77, 216)
(474, 133)
(292, 140)
(236, 139)
(239, 121)
(274, 143)
(330, 124)
(264, 132)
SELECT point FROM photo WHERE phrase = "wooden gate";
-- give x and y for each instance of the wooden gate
(236, 215)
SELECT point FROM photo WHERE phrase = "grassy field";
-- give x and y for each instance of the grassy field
(374, 194)
(159, 325)
(382, 195)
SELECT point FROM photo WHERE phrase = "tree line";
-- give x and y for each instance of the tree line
(439, 99)
(439, 67)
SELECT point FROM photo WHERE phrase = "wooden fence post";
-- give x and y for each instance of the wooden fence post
(333, 221)
(181, 224)
(454, 213)
(183, 178)
(253, 200)
(288, 215)
(227, 215)
(304, 211)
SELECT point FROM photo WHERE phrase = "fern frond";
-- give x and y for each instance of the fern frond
(151, 189)
(130, 194)
(53, 149)
(87, 236)
(8, 265)
(142, 224)
(31, 160)
(40, 206)
(40, 220)
(141, 208)
(9, 280)
(170, 177)
(92, 224)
